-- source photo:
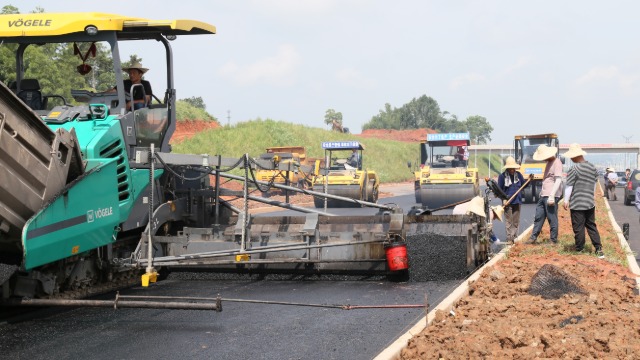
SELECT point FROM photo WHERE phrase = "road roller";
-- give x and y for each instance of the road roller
(345, 176)
(444, 178)
(524, 146)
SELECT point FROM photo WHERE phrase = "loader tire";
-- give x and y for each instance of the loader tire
(373, 192)
(319, 203)
(365, 189)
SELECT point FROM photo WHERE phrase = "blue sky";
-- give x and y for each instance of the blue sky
(570, 67)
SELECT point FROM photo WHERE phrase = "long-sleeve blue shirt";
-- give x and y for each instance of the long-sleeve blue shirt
(516, 183)
(638, 198)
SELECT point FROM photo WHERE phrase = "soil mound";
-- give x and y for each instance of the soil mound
(409, 135)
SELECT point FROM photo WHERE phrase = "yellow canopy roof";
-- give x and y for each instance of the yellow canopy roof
(56, 24)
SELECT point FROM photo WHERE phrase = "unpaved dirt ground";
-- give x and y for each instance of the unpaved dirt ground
(499, 319)
(188, 128)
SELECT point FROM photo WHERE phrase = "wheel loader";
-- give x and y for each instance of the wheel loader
(444, 177)
(345, 175)
(299, 172)
(524, 147)
(93, 199)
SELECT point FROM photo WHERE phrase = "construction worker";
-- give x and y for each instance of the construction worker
(510, 181)
(551, 192)
(354, 159)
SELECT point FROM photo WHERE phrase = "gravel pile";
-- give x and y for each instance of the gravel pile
(435, 257)
(6, 271)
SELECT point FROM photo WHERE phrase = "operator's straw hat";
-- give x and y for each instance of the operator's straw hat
(574, 151)
(545, 152)
(476, 206)
(510, 163)
(136, 65)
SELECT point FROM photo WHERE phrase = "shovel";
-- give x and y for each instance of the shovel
(499, 210)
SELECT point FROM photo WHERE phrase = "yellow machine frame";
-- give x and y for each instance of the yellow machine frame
(524, 146)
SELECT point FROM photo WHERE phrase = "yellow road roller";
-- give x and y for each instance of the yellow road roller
(344, 175)
(444, 178)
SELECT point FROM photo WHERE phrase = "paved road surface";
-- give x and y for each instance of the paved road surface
(241, 331)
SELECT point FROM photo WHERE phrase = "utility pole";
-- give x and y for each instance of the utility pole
(229, 117)
(626, 155)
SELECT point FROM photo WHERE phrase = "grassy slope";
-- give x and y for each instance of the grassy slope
(388, 158)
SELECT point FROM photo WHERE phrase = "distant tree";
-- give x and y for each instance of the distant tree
(331, 116)
(479, 129)
(10, 9)
(424, 112)
(196, 101)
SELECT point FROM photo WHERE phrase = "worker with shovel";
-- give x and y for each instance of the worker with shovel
(510, 182)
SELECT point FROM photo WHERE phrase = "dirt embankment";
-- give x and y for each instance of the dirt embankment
(410, 135)
(188, 128)
(500, 319)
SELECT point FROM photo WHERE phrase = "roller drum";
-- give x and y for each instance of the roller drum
(439, 195)
(348, 191)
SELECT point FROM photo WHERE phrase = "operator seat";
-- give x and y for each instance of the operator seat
(31, 95)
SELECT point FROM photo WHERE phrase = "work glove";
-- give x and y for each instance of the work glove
(551, 201)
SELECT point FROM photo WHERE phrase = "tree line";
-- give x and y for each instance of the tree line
(424, 112)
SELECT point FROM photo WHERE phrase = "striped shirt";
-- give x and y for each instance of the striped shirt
(582, 176)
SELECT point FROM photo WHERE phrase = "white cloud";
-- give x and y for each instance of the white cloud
(279, 69)
(466, 79)
(352, 78)
(519, 64)
(598, 74)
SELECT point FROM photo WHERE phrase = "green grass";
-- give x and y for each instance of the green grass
(387, 157)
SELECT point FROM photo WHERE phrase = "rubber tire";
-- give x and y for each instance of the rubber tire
(528, 194)
(627, 201)
(319, 203)
(374, 196)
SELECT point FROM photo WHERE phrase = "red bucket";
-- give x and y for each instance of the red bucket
(397, 256)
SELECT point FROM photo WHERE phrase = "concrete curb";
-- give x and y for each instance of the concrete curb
(631, 259)
(446, 305)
